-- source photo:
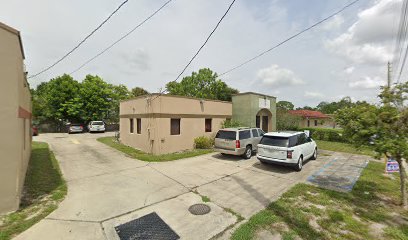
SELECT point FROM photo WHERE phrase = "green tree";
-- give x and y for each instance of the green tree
(203, 84)
(386, 126)
(119, 93)
(138, 91)
(286, 121)
(285, 105)
(97, 97)
(50, 99)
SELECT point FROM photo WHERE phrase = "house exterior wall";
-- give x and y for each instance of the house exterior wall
(15, 118)
(246, 107)
(321, 123)
(155, 113)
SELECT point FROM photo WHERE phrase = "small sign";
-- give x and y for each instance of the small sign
(392, 166)
(264, 103)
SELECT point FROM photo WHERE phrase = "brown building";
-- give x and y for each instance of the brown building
(160, 124)
(15, 119)
(314, 119)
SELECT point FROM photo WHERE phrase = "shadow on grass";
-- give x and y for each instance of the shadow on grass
(43, 175)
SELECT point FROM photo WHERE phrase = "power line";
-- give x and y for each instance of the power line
(290, 38)
(398, 43)
(81, 42)
(402, 34)
(202, 46)
(121, 38)
(205, 42)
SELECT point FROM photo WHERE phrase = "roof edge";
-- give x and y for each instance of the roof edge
(16, 32)
(254, 93)
(175, 96)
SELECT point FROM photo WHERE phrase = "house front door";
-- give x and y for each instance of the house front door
(265, 123)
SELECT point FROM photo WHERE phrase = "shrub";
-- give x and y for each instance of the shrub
(231, 124)
(332, 135)
(203, 142)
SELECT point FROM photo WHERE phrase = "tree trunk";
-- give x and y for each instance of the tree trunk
(403, 178)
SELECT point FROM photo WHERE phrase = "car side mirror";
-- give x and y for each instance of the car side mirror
(309, 139)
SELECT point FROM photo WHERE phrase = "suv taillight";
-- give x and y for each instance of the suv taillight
(237, 144)
(289, 154)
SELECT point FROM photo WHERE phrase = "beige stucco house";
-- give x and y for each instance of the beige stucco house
(15, 119)
(314, 119)
(160, 124)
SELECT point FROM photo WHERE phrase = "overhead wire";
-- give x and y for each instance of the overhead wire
(201, 47)
(81, 42)
(121, 38)
(402, 39)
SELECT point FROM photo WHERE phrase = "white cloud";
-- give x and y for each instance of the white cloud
(367, 83)
(370, 39)
(334, 23)
(313, 95)
(276, 76)
(349, 70)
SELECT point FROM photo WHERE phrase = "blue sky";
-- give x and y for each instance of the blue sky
(344, 57)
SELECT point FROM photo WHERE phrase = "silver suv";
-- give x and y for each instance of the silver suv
(238, 141)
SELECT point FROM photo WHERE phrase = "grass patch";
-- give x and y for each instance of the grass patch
(315, 213)
(44, 188)
(344, 147)
(137, 154)
(205, 199)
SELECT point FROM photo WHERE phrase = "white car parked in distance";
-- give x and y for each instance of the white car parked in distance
(96, 126)
(286, 148)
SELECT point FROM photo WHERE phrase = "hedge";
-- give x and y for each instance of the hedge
(326, 134)
(203, 142)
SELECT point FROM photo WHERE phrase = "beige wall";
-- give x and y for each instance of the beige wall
(321, 123)
(15, 119)
(156, 112)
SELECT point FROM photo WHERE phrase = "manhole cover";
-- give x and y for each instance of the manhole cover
(199, 209)
(148, 227)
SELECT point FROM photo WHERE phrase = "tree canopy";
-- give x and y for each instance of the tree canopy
(285, 105)
(65, 99)
(384, 126)
(203, 84)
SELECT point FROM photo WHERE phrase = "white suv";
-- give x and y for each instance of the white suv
(286, 148)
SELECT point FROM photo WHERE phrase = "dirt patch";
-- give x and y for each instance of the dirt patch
(313, 223)
(376, 230)
(266, 235)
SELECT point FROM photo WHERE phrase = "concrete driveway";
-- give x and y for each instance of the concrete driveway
(106, 189)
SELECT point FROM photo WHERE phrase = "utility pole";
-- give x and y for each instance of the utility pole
(389, 75)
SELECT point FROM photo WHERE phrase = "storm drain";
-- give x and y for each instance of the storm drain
(148, 227)
(199, 209)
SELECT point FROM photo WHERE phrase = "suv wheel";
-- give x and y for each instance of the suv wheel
(314, 156)
(299, 165)
(248, 152)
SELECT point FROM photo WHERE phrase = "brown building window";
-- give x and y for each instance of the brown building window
(308, 123)
(175, 126)
(258, 121)
(315, 122)
(139, 125)
(132, 125)
(208, 124)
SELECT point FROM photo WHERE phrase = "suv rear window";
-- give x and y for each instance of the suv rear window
(231, 135)
(275, 141)
(244, 134)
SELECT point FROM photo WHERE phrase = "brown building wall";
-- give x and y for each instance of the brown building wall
(15, 118)
(155, 114)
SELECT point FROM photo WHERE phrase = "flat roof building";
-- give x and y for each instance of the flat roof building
(15, 119)
(160, 124)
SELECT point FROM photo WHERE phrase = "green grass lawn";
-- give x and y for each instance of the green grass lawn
(370, 211)
(344, 147)
(44, 188)
(134, 153)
